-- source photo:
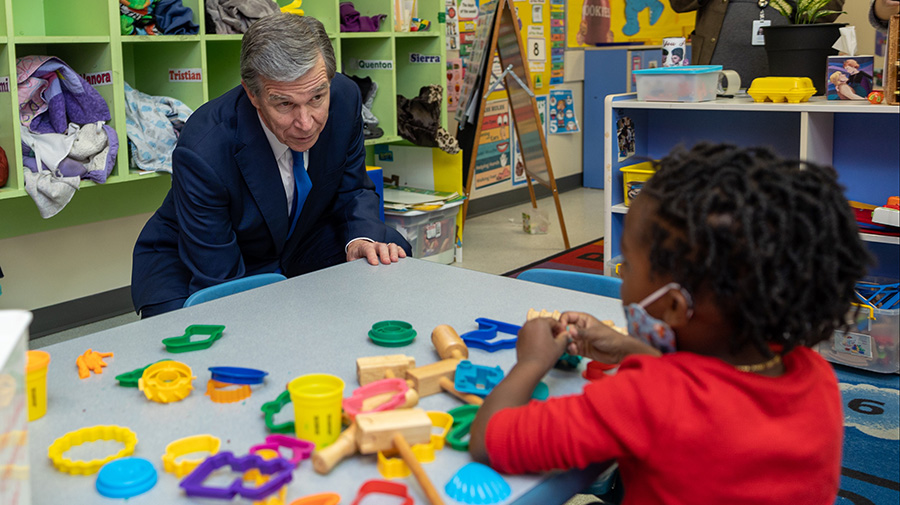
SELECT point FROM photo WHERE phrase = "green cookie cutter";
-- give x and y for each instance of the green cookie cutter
(463, 416)
(183, 343)
(130, 379)
(273, 407)
(392, 333)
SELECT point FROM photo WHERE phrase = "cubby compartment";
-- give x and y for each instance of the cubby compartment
(176, 71)
(375, 58)
(9, 122)
(223, 66)
(326, 12)
(93, 62)
(369, 8)
(62, 18)
(420, 62)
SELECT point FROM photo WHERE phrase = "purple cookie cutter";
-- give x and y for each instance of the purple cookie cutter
(279, 468)
(484, 337)
(300, 449)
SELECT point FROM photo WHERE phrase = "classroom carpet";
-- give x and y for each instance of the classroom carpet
(870, 466)
(587, 257)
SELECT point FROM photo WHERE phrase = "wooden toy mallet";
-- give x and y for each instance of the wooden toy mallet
(383, 431)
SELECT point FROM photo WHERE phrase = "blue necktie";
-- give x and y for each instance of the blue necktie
(302, 185)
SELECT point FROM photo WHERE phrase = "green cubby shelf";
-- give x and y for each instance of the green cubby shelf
(192, 68)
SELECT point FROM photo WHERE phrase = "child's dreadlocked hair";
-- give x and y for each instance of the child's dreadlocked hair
(774, 241)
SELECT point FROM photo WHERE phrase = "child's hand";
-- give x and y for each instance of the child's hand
(541, 342)
(602, 343)
(579, 319)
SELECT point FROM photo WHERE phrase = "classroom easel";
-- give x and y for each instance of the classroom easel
(504, 37)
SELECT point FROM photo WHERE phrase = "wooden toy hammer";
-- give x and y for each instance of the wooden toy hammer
(383, 431)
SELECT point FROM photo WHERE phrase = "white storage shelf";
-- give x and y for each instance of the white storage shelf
(859, 140)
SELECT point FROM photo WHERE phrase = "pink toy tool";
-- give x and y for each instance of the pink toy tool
(356, 404)
(301, 449)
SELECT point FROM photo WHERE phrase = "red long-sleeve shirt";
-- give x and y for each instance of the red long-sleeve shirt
(689, 429)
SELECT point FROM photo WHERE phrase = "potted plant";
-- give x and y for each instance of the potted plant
(801, 49)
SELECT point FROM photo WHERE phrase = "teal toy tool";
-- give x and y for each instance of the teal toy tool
(476, 379)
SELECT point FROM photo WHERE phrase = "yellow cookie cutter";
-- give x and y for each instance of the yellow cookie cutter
(255, 476)
(222, 392)
(166, 381)
(92, 434)
(392, 467)
(188, 445)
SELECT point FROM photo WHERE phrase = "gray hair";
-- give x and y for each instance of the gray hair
(283, 47)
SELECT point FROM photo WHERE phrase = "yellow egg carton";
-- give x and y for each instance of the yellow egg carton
(781, 89)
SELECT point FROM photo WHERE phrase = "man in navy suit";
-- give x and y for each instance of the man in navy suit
(241, 202)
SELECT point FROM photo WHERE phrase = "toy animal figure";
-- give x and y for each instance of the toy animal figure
(634, 7)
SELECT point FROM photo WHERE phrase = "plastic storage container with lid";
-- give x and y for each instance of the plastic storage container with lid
(873, 340)
(431, 234)
(693, 83)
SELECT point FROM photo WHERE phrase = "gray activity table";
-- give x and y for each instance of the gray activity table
(315, 323)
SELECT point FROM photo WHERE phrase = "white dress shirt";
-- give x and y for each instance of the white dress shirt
(285, 160)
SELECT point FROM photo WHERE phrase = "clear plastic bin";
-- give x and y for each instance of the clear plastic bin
(693, 83)
(873, 339)
(431, 234)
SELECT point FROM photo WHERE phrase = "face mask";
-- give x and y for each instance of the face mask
(652, 331)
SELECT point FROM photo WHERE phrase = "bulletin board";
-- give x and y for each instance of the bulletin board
(593, 22)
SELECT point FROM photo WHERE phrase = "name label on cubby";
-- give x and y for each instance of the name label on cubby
(375, 64)
(4, 84)
(423, 58)
(185, 75)
(98, 78)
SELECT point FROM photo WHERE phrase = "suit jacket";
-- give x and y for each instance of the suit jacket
(226, 215)
(711, 16)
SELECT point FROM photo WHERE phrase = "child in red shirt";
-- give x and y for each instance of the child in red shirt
(734, 263)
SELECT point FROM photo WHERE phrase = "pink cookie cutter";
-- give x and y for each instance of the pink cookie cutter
(300, 449)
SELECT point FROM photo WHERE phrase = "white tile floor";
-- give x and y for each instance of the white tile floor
(495, 243)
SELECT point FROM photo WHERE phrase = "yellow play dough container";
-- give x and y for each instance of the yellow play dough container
(36, 383)
(317, 407)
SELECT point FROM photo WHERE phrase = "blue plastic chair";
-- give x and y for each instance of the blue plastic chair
(577, 281)
(232, 287)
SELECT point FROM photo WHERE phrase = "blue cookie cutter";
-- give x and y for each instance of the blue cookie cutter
(237, 375)
(476, 379)
(484, 337)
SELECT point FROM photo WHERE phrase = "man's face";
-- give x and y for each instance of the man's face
(295, 111)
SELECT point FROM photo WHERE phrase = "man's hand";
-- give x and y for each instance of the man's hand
(374, 251)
